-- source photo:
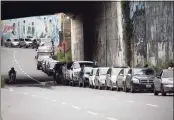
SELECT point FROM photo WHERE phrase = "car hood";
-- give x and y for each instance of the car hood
(28, 42)
(16, 42)
(102, 77)
(167, 80)
(144, 77)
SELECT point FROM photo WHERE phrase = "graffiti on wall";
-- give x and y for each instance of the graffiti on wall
(35, 27)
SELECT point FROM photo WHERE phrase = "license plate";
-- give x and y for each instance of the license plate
(148, 86)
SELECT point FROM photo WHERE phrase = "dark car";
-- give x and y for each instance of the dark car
(139, 79)
(57, 72)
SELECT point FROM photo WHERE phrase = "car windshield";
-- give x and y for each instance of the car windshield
(103, 71)
(87, 69)
(16, 40)
(27, 40)
(167, 74)
(86, 64)
(143, 72)
(94, 71)
(52, 64)
(115, 71)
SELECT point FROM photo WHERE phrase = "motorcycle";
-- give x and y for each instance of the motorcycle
(12, 78)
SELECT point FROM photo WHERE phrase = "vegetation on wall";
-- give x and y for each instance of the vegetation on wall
(67, 57)
(127, 29)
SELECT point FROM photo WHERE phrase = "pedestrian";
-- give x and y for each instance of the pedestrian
(171, 66)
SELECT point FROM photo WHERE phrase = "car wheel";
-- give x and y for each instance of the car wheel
(125, 87)
(99, 86)
(117, 87)
(162, 91)
(132, 88)
(111, 87)
(106, 87)
(38, 68)
(154, 91)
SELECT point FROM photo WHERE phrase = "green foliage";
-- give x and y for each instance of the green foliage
(2, 83)
(161, 65)
(67, 57)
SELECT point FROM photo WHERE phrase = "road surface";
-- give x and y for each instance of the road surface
(33, 102)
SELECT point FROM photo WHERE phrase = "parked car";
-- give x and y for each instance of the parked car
(139, 79)
(41, 59)
(111, 77)
(12, 43)
(121, 78)
(92, 77)
(58, 72)
(100, 77)
(44, 64)
(75, 71)
(50, 66)
(66, 73)
(25, 42)
(84, 76)
(163, 83)
(35, 43)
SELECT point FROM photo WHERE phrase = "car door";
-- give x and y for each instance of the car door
(158, 81)
(128, 78)
(96, 78)
(108, 77)
(120, 78)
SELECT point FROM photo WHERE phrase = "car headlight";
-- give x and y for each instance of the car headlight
(135, 80)
(167, 83)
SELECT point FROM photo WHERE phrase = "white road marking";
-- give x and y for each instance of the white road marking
(63, 103)
(152, 105)
(130, 101)
(90, 112)
(25, 73)
(109, 118)
(25, 93)
(33, 95)
(54, 100)
(76, 107)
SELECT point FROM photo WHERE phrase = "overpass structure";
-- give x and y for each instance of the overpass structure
(111, 33)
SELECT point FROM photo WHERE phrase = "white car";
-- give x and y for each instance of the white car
(100, 77)
(12, 43)
(163, 83)
(40, 60)
(121, 78)
(92, 77)
(25, 42)
(75, 70)
(111, 78)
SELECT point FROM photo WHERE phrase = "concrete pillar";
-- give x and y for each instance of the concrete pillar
(77, 40)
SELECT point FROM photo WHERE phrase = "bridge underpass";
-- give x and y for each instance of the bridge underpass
(96, 35)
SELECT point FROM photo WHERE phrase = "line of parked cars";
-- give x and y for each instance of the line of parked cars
(26, 42)
(87, 74)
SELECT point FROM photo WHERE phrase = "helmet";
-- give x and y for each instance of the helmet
(12, 68)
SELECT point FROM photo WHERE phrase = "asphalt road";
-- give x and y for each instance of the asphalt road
(33, 102)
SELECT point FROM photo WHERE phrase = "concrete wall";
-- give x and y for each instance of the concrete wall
(105, 39)
(77, 41)
(153, 32)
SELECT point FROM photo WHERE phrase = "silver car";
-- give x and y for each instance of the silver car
(100, 77)
(12, 43)
(111, 78)
(25, 42)
(163, 83)
(139, 79)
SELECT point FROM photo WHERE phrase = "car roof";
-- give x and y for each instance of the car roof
(83, 62)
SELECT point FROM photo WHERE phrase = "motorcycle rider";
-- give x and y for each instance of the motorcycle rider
(12, 71)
